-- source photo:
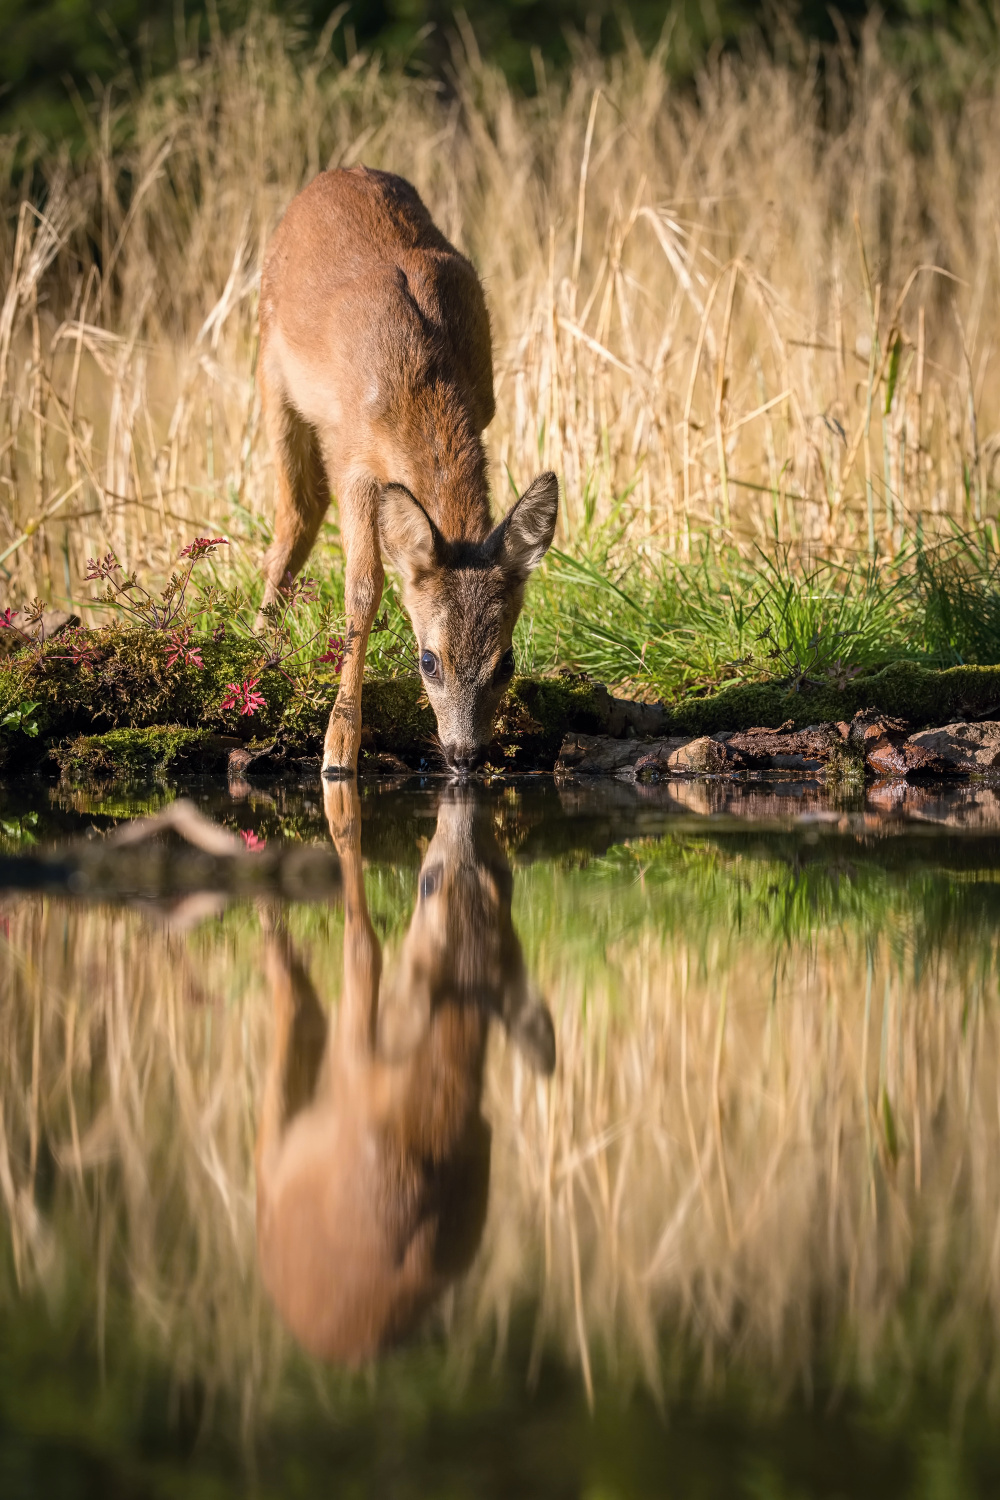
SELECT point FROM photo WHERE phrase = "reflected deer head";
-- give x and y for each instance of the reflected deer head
(373, 1157)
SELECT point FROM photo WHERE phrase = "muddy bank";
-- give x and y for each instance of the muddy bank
(96, 705)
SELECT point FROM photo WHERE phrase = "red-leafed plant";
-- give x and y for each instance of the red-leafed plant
(244, 696)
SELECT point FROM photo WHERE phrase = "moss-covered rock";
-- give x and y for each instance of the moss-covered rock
(903, 690)
(125, 753)
(395, 716)
(129, 684)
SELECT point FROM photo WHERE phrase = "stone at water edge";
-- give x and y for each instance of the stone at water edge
(702, 756)
(600, 755)
(962, 746)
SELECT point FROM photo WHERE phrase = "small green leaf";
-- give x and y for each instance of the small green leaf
(21, 718)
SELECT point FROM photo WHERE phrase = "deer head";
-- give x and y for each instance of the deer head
(463, 599)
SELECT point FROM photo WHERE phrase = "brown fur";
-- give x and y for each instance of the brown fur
(376, 370)
(373, 1157)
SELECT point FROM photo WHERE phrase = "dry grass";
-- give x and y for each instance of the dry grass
(785, 1152)
(764, 309)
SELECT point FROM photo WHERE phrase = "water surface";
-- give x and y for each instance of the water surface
(567, 1141)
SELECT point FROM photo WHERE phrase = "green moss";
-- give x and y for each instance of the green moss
(395, 715)
(123, 753)
(538, 712)
(131, 684)
(904, 690)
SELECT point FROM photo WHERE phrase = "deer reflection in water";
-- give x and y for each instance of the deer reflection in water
(373, 1156)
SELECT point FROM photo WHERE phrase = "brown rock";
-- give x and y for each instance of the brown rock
(888, 759)
(640, 719)
(601, 755)
(703, 756)
(678, 755)
(263, 760)
(962, 747)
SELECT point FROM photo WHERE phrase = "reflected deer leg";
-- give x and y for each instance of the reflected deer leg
(300, 1040)
(358, 1015)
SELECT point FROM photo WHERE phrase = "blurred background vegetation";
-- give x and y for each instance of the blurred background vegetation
(56, 54)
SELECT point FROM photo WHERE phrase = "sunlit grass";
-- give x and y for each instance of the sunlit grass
(665, 625)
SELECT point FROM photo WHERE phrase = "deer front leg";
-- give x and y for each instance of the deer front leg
(363, 580)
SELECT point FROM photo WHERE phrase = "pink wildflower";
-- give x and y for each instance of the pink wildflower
(251, 839)
(7, 618)
(334, 653)
(242, 695)
(202, 546)
(181, 650)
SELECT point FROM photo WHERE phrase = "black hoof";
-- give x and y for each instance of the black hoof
(338, 773)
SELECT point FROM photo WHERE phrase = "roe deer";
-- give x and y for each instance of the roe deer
(373, 1157)
(376, 381)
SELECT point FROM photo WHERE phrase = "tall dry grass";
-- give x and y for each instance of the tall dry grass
(764, 308)
(776, 1159)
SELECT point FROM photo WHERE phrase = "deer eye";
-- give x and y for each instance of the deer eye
(429, 882)
(505, 666)
(429, 664)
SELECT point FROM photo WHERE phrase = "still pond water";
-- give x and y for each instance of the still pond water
(567, 1141)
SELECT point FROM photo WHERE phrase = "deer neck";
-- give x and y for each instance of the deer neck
(443, 463)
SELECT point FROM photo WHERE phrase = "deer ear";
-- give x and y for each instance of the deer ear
(407, 535)
(525, 534)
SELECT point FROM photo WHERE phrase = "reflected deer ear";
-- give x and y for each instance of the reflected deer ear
(532, 1032)
(525, 534)
(407, 535)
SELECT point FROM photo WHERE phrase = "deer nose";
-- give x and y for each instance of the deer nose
(464, 758)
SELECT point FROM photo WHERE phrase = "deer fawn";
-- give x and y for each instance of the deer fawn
(376, 380)
(373, 1157)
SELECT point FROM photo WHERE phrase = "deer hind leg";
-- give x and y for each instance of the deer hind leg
(363, 580)
(303, 488)
(298, 1046)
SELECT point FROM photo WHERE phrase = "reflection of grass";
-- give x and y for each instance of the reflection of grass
(768, 1156)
